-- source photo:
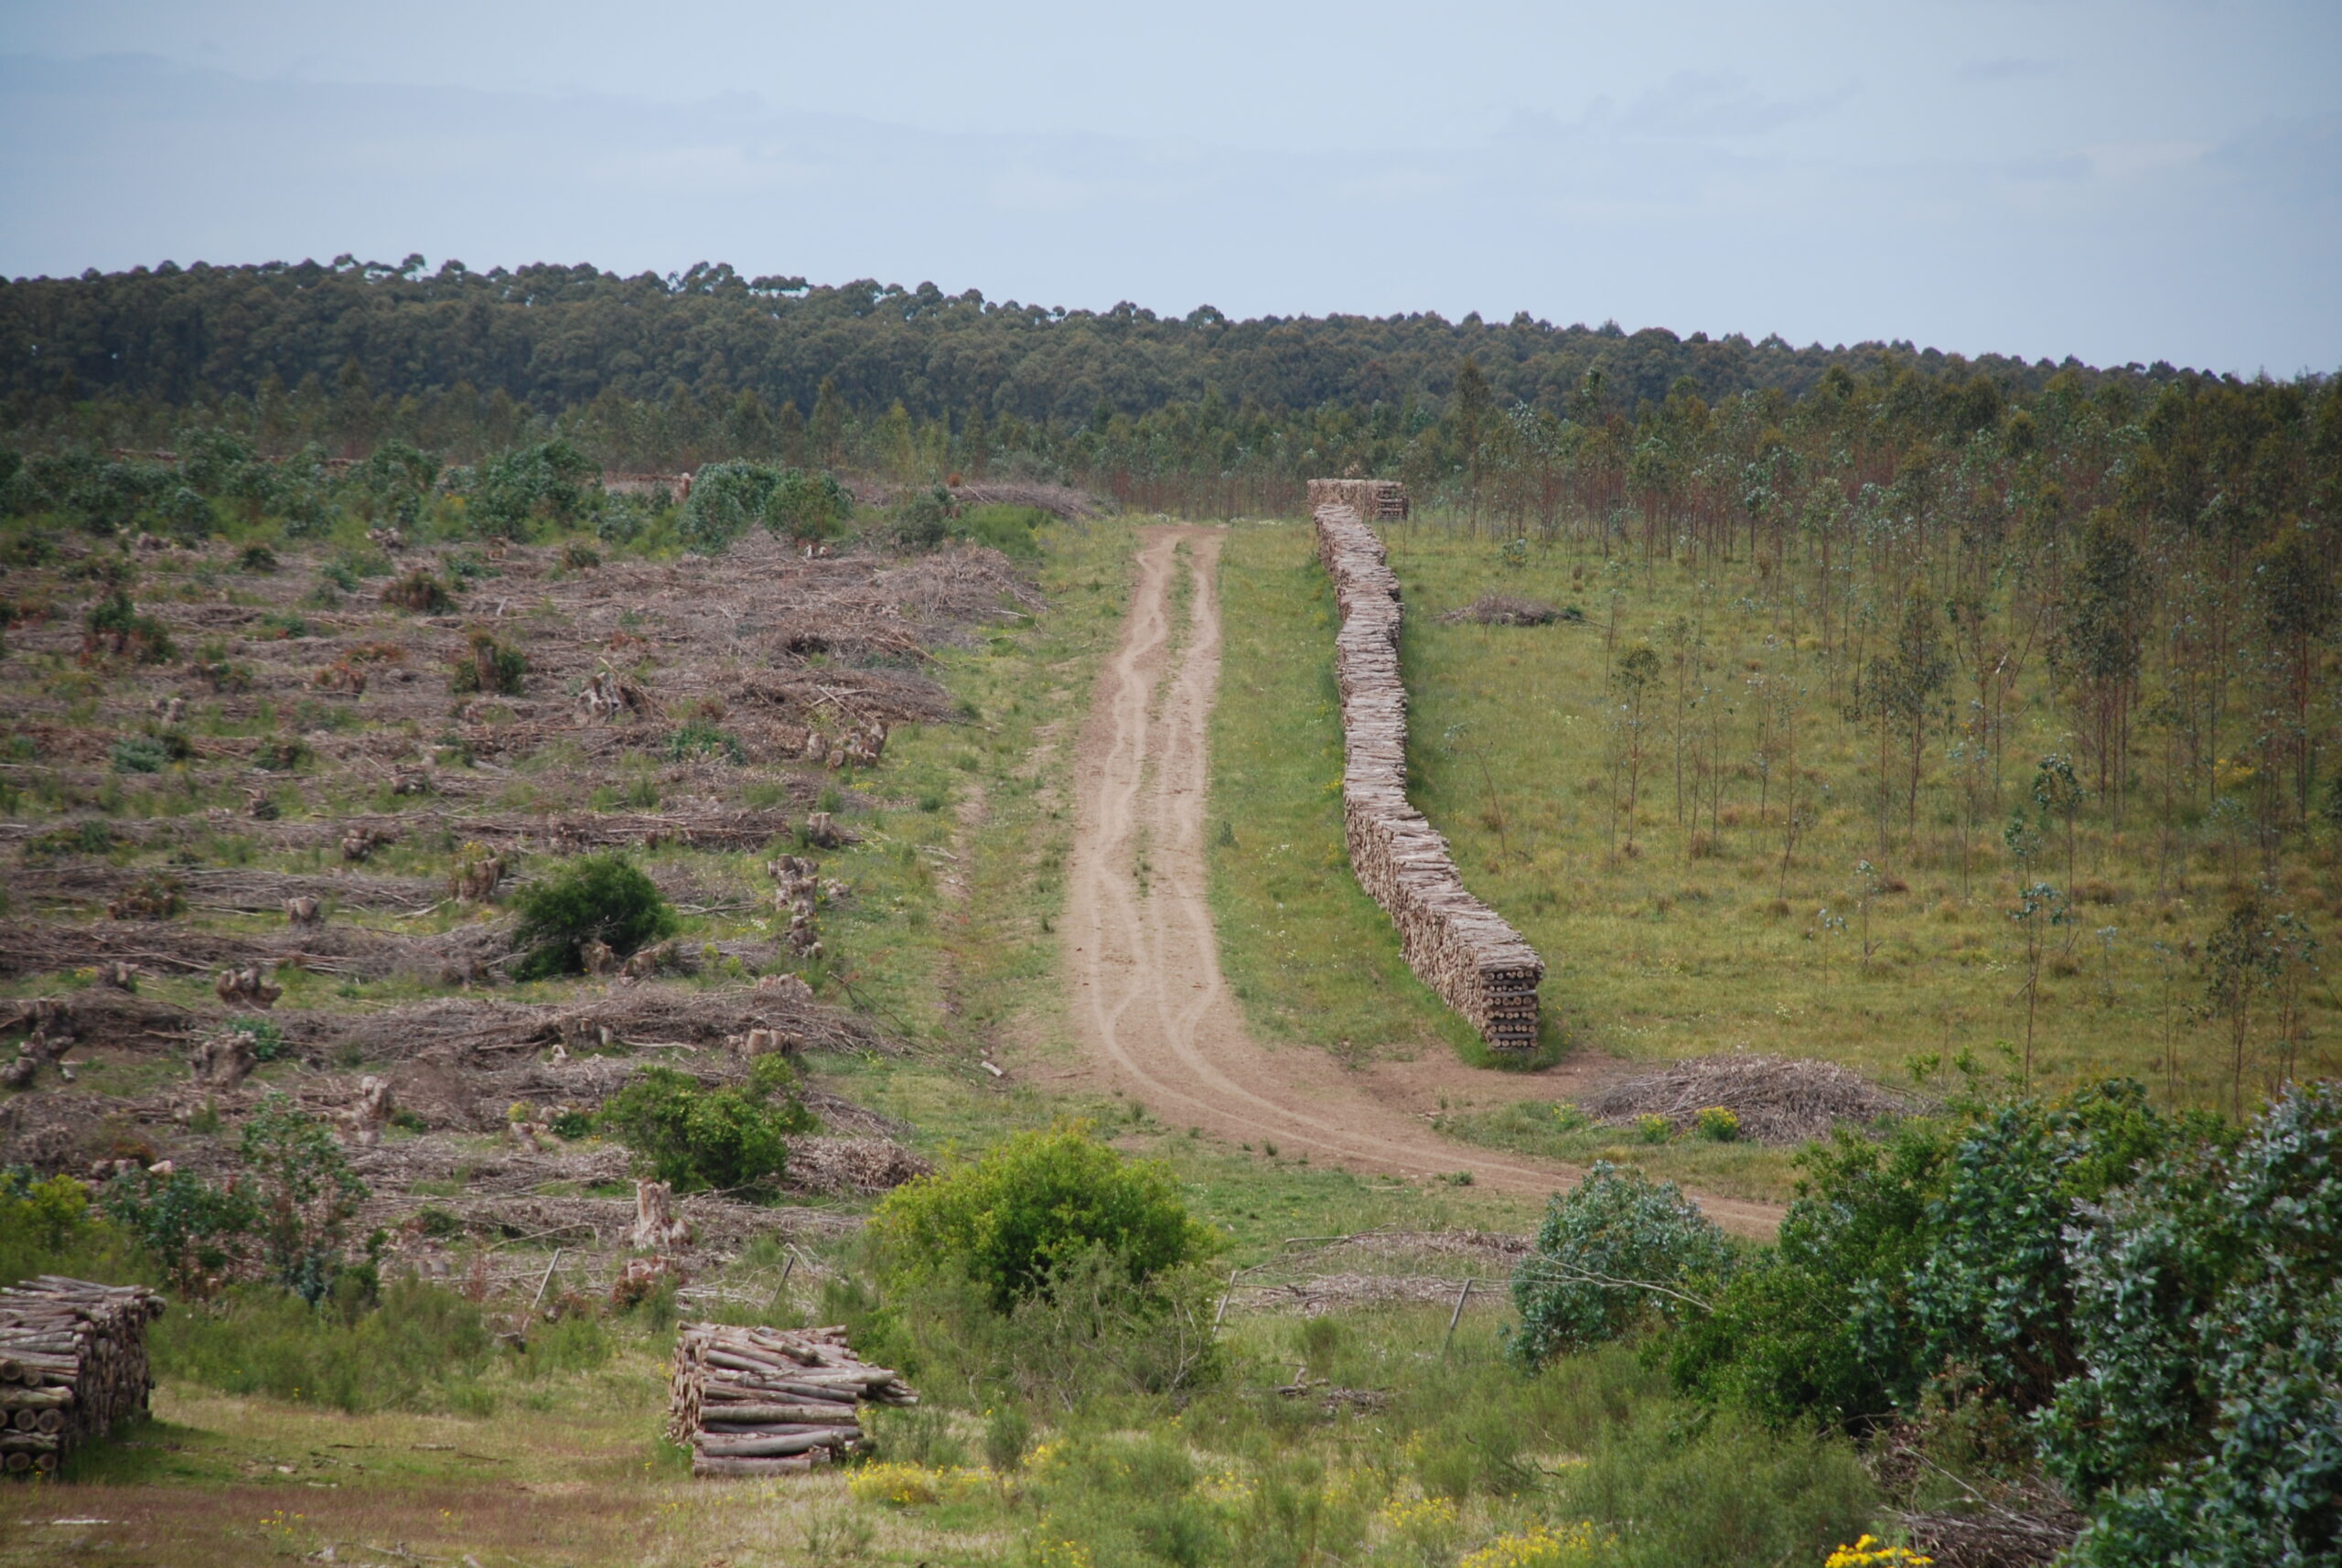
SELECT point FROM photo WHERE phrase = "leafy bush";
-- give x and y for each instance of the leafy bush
(2207, 1318)
(195, 1233)
(265, 1037)
(593, 898)
(514, 490)
(700, 1138)
(729, 497)
(114, 624)
(1039, 1201)
(295, 1172)
(420, 592)
(1718, 1125)
(137, 753)
(48, 1225)
(1616, 1252)
(487, 667)
(282, 755)
(701, 738)
(922, 519)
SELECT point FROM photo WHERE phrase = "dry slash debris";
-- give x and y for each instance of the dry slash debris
(771, 1401)
(1461, 948)
(72, 1362)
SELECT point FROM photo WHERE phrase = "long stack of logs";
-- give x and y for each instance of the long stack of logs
(72, 1362)
(771, 1401)
(1375, 500)
(1461, 948)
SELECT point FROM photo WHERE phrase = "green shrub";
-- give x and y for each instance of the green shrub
(922, 519)
(196, 1234)
(138, 753)
(594, 897)
(258, 559)
(729, 497)
(1654, 1129)
(697, 1138)
(294, 1170)
(2207, 1318)
(115, 626)
(487, 667)
(265, 1036)
(1718, 1125)
(419, 592)
(284, 756)
(700, 738)
(1616, 1252)
(48, 1225)
(1035, 1203)
(511, 492)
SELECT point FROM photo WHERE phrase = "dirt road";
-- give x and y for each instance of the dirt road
(1142, 959)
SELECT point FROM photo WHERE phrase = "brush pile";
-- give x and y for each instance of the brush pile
(1503, 610)
(1461, 948)
(72, 1362)
(771, 1401)
(1776, 1100)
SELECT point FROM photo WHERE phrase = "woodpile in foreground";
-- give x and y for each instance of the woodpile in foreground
(1461, 948)
(771, 1401)
(72, 1362)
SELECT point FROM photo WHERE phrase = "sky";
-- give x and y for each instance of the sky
(2118, 180)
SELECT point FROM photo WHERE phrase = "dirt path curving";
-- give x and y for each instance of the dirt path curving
(1142, 959)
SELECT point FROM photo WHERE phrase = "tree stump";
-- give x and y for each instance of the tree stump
(305, 912)
(657, 1226)
(371, 1112)
(822, 830)
(246, 987)
(223, 1061)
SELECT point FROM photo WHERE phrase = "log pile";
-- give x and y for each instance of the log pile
(771, 1401)
(1375, 500)
(72, 1362)
(1460, 947)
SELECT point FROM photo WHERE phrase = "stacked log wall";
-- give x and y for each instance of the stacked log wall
(771, 1401)
(1374, 501)
(1461, 948)
(72, 1363)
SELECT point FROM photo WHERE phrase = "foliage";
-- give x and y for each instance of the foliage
(1718, 1125)
(486, 666)
(729, 497)
(420, 592)
(701, 738)
(48, 1225)
(265, 1036)
(115, 626)
(922, 519)
(1013, 530)
(1614, 1252)
(516, 490)
(297, 1178)
(423, 1347)
(592, 898)
(198, 1234)
(1033, 1204)
(2208, 1316)
(726, 1139)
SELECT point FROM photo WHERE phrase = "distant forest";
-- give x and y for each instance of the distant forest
(107, 381)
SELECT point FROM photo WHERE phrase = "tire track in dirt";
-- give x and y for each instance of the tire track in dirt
(1142, 961)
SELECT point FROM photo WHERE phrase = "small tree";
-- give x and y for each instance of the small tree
(593, 898)
(305, 1193)
(1038, 1203)
(1616, 1250)
(2242, 959)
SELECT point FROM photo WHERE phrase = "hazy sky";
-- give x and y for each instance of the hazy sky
(2118, 179)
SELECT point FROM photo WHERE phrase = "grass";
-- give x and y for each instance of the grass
(1696, 939)
(1310, 956)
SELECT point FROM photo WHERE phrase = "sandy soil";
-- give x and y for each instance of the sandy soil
(1149, 1002)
